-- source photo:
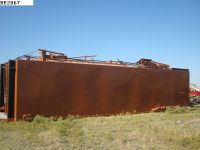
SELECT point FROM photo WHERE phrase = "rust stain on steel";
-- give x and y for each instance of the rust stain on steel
(5, 82)
(54, 88)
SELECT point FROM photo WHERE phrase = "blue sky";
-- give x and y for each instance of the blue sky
(167, 31)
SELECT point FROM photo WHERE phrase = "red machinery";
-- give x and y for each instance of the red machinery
(194, 90)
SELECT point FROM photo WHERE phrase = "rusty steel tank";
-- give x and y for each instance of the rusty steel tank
(56, 85)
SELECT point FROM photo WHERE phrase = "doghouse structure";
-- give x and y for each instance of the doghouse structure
(55, 85)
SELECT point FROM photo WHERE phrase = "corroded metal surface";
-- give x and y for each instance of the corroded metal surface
(53, 88)
(3, 116)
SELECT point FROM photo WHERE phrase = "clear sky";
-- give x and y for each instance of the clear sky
(167, 31)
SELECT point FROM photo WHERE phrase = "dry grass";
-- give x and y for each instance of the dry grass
(177, 128)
